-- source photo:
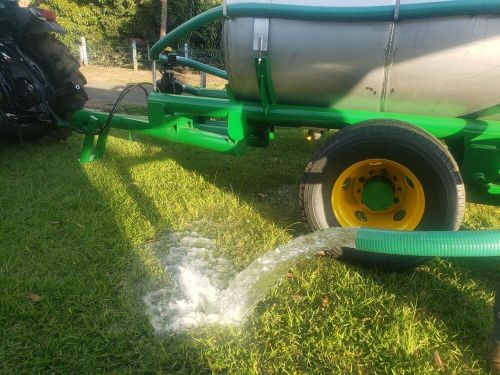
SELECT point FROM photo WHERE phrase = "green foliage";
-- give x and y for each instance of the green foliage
(114, 22)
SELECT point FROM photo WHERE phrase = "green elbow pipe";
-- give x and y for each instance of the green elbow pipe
(193, 24)
(429, 244)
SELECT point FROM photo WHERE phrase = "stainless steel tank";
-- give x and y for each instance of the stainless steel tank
(441, 66)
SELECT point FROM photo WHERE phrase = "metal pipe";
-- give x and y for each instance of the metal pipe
(194, 137)
(171, 129)
(153, 75)
(81, 119)
(197, 65)
(190, 90)
(327, 118)
(205, 93)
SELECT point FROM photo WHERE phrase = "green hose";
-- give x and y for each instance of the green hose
(183, 61)
(430, 244)
(372, 13)
(193, 24)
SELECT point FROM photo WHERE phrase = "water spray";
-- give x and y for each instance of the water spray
(203, 295)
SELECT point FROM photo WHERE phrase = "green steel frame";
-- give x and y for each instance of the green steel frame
(215, 120)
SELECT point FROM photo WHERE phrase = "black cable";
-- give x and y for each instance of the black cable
(122, 95)
(111, 114)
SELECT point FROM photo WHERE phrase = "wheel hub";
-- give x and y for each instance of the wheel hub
(378, 193)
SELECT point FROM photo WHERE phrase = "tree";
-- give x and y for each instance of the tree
(163, 19)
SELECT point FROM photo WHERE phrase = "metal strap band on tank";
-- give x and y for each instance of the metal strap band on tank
(397, 9)
(389, 58)
(265, 84)
(260, 35)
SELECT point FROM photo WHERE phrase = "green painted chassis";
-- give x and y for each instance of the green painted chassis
(217, 121)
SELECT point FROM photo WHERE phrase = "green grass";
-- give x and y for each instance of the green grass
(72, 234)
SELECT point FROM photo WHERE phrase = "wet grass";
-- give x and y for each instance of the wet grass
(72, 271)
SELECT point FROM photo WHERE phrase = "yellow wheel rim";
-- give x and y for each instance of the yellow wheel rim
(378, 193)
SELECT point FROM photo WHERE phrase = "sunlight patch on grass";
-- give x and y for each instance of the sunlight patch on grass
(479, 216)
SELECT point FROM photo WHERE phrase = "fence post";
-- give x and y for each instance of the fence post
(134, 54)
(83, 52)
(186, 51)
(80, 47)
(203, 80)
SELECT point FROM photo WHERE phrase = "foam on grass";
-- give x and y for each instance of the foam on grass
(205, 288)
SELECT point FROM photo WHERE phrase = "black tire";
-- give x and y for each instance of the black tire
(62, 70)
(422, 154)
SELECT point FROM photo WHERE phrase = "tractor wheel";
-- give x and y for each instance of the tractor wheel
(62, 69)
(382, 174)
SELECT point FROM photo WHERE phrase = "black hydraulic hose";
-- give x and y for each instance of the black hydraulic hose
(111, 114)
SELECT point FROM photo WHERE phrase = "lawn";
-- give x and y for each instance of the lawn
(74, 270)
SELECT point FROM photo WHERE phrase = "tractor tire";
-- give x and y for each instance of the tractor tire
(62, 70)
(382, 174)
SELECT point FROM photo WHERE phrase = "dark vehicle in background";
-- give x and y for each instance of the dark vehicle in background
(40, 81)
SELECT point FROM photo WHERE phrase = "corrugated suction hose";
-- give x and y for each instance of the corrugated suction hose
(429, 244)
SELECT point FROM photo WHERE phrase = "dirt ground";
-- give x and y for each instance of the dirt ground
(123, 75)
(105, 83)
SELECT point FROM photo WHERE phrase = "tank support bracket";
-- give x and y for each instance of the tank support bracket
(91, 150)
(481, 163)
(266, 90)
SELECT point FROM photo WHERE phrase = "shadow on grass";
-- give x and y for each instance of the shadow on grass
(447, 291)
(266, 179)
(69, 274)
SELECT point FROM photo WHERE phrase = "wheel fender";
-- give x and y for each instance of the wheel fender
(31, 21)
(40, 27)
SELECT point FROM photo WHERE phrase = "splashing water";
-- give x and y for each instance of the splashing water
(206, 289)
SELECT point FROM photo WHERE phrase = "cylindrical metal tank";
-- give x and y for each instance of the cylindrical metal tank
(439, 66)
